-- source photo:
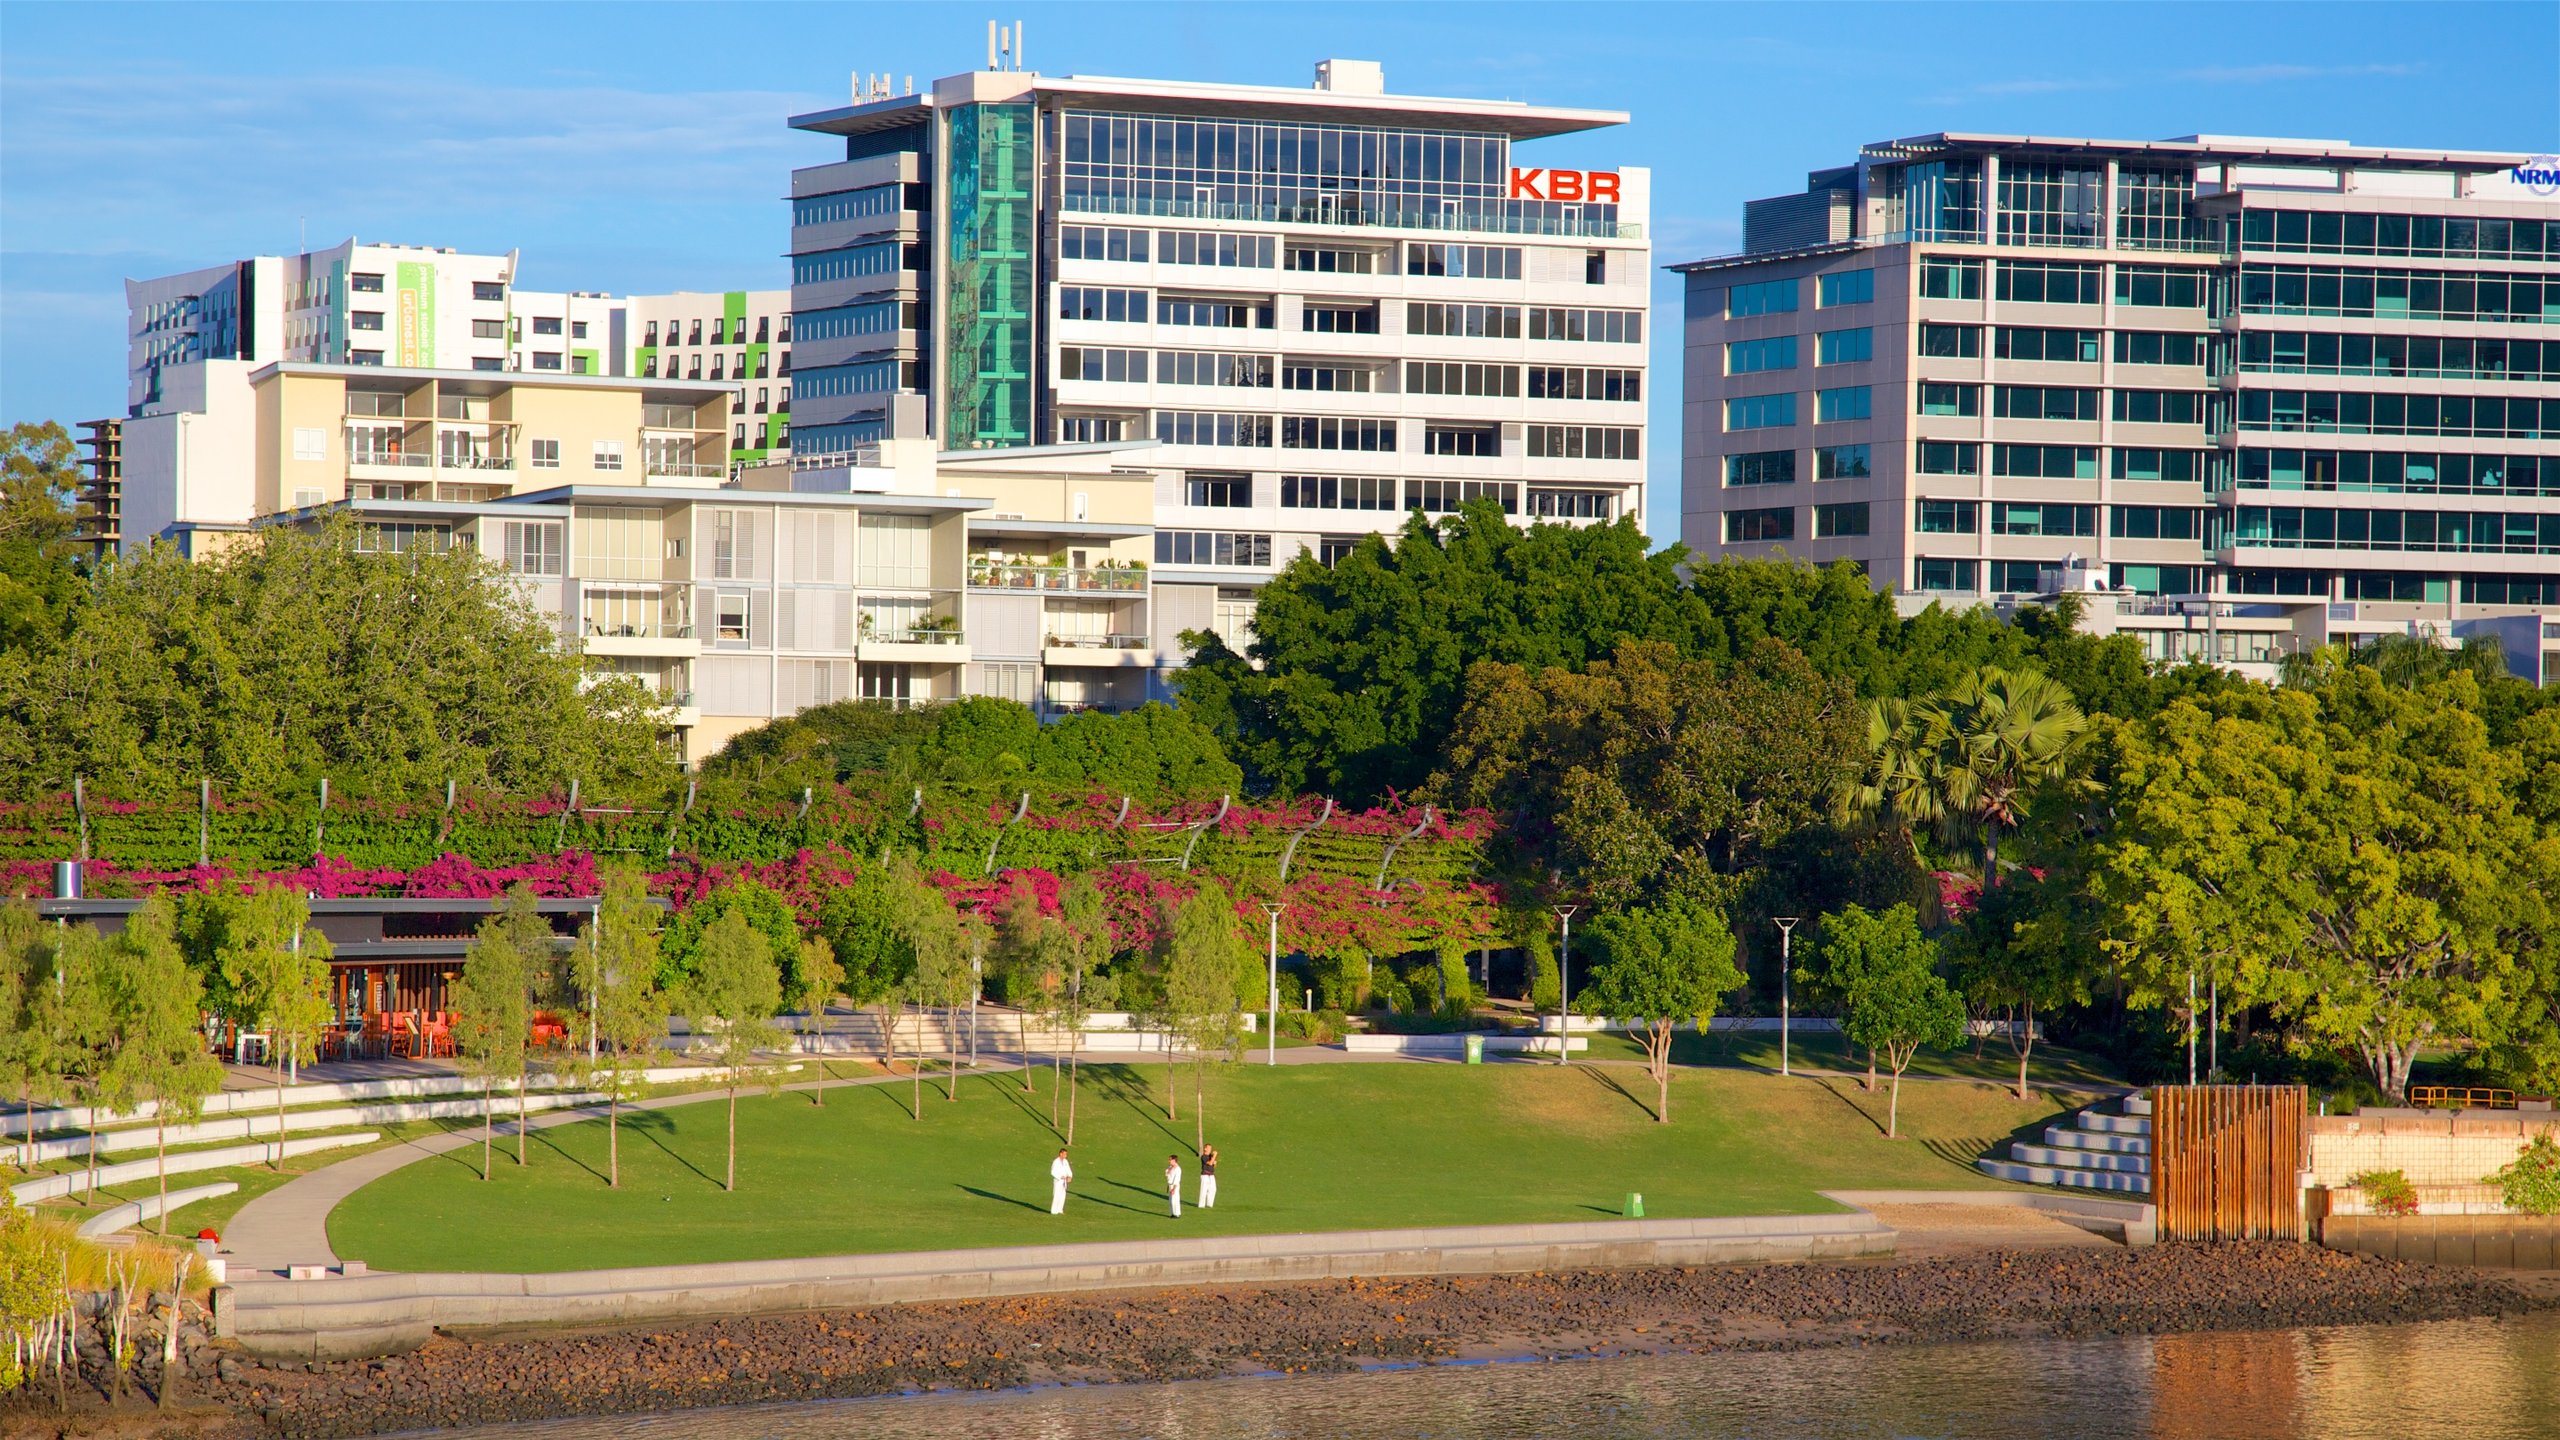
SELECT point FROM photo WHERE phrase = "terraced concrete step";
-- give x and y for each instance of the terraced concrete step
(2064, 1158)
(2072, 1178)
(2113, 1124)
(2073, 1138)
(2137, 1104)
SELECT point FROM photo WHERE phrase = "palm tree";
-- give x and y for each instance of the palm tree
(1967, 761)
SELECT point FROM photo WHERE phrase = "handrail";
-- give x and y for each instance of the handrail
(1027, 576)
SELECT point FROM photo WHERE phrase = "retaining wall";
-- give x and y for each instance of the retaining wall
(376, 1314)
(2519, 1242)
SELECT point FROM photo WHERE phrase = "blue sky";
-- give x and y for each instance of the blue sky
(640, 147)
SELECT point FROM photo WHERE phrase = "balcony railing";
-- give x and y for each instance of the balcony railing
(684, 470)
(1356, 215)
(408, 459)
(616, 628)
(1096, 642)
(913, 635)
(1105, 580)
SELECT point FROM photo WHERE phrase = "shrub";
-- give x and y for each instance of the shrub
(1321, 1026)
(2387, 1191)
(2531, 1183)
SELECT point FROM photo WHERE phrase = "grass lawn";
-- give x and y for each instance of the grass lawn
(1827, 1050)
(1303, 1148)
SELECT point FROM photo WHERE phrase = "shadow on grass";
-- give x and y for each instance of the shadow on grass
(655, 1128)
(1962, 1153)
(1845, 1091)
(542, 1141)
(1124, 1084)
(1155, 1193)
(1026, 1101)
(1091, 1198)
(1600, 1075)
(1004, 1199)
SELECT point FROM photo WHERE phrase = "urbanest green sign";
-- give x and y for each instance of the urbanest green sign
(417, 300)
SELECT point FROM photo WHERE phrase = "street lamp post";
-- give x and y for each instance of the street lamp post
(1564, 987)
(1273, 1040)
(977, 982)
(1786, 969)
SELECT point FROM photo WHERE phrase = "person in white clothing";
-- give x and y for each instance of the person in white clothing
(1060, 1172)
(1173, 1183)
(1208, 1177)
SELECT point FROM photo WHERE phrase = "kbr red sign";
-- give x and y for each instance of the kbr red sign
(1593, 186)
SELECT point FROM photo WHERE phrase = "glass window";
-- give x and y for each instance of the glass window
(1946, 517)
(1848, 402)
(546, 454)
(1844, 519)
(1846, 347)
(2016, 342)
(1941, 398)
(1747, 527)
(1226, 491)
(1846, 287)
(1951, 342)
(1840, 462)
(1760, 467)
(2017, 577)
(1948, 457)
(1947, 278)
(2048, 462)
(363, 284)
(488, 290)
(1766, 297)
(2046, 282)
(1943, 576)
(1759, 412)
(1750, 357)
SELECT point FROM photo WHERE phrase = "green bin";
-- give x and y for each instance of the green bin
(1635, 1205)
(1475, 1049)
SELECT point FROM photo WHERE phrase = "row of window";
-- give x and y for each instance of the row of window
(724, 331)
(881, 258)
(2518, 417)
(858, 204)
(1505, 322)
(1781, 297)
(1778, 467)
(2398, 472)
(1534, 322)
(1944, 277)
(1934, 575)
(2452, 357)
(2301, 527)
(868, 317)
(2049, 462)
(2417, 236)
(2011, 402)
(2397, 294)
(2061, 518)
(1378, 493)
(683, 367)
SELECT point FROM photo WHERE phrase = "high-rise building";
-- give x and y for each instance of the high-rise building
(102, 487)
(2249, 394)
(1328, 306)
(740, 335)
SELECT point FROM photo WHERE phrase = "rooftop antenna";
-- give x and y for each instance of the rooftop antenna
(1017, 44)
(992, 42)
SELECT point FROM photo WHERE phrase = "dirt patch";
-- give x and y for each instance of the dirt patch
(1152, 1336)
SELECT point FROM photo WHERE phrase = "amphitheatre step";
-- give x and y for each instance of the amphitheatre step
(2113, 1124)
(2137, 1103)
(2073, 1138)
(2063, 1157)
(2076, 1179)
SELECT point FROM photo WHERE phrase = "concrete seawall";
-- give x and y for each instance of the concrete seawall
(356, 1315)
(2504, 1242)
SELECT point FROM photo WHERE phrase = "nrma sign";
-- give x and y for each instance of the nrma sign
(2541, 174)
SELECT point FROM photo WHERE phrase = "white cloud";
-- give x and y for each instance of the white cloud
(2263, 74)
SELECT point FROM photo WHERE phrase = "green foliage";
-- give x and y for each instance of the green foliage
(731, 995)
(264, 966)
(493, 996)
(2387, 1191)
(1364, 663)
(2530, 1183)
(159, 1013)
(2352, 857)
(1648, 772)
(859, 922)
(767, 913)
(1968, 762)
(40, 576)
(34, 1258)
(298, 655)
(1659, 967)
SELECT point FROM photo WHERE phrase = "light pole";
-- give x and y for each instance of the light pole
(1786, 968)
(977, 982)
(1564, 987)
(1273, 910)
(2191, 1027)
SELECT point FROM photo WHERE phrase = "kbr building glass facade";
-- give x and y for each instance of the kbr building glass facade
(991, 297)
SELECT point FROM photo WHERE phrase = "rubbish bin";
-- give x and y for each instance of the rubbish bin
(1475, 1049)
(1635, 1205)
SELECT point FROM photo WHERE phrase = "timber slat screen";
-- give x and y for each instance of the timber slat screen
(2226, 1161)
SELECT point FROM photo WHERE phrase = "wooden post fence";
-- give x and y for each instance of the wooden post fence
(2226, 1161)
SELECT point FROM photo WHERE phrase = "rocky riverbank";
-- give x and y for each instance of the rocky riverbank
(1151, 1336)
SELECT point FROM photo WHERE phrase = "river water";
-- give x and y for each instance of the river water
(2462, 1380)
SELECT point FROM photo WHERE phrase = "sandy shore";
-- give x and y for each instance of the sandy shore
(2015, 1290)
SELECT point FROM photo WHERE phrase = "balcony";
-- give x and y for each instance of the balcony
(1098, 651)
(894, 634)
(986, 574)
(640, 618)
(1354, 214)
(658, 469)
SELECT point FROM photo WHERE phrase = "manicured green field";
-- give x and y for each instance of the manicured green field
(1303, 1147)
(1820, 1050)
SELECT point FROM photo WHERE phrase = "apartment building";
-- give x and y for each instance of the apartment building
(1327, 306)
(101, 486)
(2247, 394)
(575, 332)
(740, 335)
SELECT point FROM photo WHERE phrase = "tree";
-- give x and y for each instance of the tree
(1205, 956)
(77, 1010)
(734, 991)
(1900, 1004)
(1659, 967)
(492, 1016)
(1967, 762)
(2354, 857)
(942, 947)
(305, 653)
(32, 1058)
(765, 909)
(626, 1014)
(159, 1025)
(1085, 942)
(537, 953)
(1645, 770)
(265, 969)
(40, 577)
(1854, 944)
(816, 979)
(862, 924)
(1363, 662)
(2023, 950)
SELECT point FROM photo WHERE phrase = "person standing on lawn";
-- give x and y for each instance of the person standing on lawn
(1060, 1172)
(1173, 1183)
(1208, 1177)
